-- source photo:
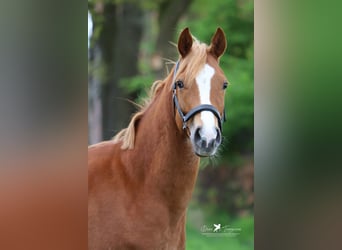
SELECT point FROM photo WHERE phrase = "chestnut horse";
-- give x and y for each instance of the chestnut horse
(141, 182)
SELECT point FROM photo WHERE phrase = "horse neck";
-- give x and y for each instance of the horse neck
(164, 154)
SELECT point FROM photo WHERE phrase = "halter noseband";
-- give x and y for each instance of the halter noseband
(195, 110)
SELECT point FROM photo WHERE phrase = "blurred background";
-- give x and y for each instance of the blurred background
(130, 43)
(43, 125)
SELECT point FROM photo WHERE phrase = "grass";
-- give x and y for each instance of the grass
(195, 240)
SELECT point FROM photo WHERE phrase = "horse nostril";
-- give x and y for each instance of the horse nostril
(218, 137)
(197, 136)
(199, 140)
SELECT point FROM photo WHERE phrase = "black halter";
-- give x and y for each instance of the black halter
(195, 110)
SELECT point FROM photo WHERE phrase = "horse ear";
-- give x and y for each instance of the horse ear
(218, 43)
(184, 42)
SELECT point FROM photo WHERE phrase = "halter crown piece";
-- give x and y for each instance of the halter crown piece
(197, 109)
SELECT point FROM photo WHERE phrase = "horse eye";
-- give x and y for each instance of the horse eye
(225, 85)
(180, 84)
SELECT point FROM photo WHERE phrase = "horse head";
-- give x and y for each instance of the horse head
(198, 91)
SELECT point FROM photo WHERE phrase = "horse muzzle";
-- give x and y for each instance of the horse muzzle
(206, 142)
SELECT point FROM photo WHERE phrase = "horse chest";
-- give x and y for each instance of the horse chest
(138, 225)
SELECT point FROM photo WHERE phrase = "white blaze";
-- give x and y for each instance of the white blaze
(203, 80)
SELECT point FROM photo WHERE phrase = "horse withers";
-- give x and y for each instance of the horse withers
(140, 183)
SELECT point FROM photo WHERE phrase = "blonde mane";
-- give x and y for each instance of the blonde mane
(193, 62)
(190, 65)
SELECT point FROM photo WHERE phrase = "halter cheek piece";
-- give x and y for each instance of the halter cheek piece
(195, 110)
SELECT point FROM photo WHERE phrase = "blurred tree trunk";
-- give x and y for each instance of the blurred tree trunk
(116, 49)
(94, 105)
(170, 13)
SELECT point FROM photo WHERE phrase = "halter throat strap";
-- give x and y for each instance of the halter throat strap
(203, 107)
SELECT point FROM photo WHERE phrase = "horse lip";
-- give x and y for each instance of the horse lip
(202, 153)
(199, 155)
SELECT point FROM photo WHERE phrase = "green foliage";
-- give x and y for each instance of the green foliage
(146, 4)
(239, 105)
(138, 84)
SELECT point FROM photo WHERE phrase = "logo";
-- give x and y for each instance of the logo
(217, 230)
(217, 227)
